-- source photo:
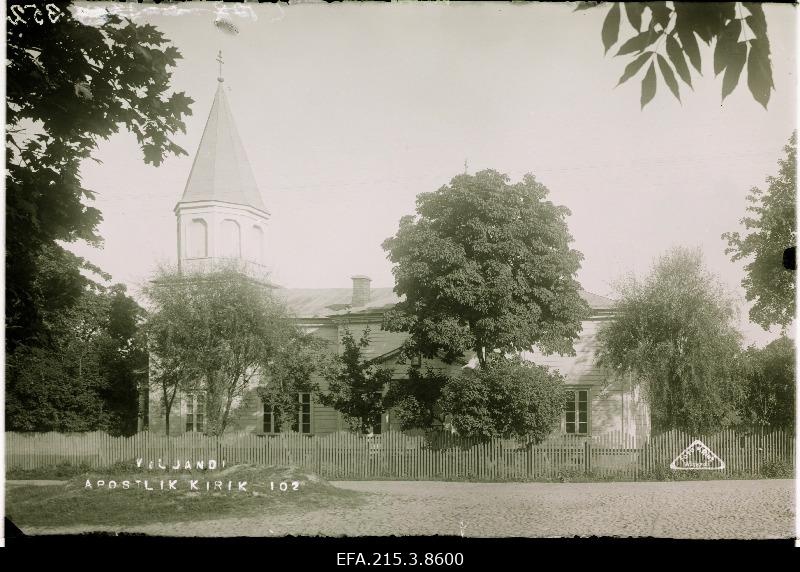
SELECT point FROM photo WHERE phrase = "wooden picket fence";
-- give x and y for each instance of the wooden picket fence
(395, 455)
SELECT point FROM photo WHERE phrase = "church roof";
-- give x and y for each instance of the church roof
(221, 171)
(321, 302)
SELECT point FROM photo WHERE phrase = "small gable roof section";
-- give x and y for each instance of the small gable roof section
(327, 302)
(332, 302)
(600, 305)
(221, 171)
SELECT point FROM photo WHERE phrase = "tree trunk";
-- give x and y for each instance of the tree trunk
(167, 410)
(226, 413)
(480, 353)
(213, 405)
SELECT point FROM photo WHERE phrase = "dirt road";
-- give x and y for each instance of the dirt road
(689, 509)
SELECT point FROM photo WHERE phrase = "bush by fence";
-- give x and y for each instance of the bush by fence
(400, 456)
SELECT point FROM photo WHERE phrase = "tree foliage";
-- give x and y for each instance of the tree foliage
(772, 229)
(70, 85)
(416, 401)
(664, 36)
(768, 392)
(212, 332)
(290, 371)
(88, 377)
(673, 333)
(510, 399)
(485, 265)
(124, 359)
(355, 384)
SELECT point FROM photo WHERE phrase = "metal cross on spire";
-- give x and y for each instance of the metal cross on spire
(219, 59)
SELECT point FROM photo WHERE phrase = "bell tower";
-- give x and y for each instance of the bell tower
(221, 217)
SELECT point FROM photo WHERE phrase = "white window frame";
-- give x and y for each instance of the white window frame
(192, 247)
(194, 406)
(298, 424)
(230, 232)
(576, 401)
(274, 426)
(300, 413)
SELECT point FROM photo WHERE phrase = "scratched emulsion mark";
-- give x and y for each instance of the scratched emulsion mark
(226, 26)
(96, 15)
(83, 90)
(462, 525)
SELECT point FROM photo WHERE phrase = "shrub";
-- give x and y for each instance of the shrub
(567, 474)
(57, 471)
(696, 475)
(121, 466)
(416, 401)
(777, 469)
(508, 398)
(658, 473)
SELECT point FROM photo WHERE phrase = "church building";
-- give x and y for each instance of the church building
(221, 217)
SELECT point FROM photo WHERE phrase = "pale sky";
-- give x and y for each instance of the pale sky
(348, 111)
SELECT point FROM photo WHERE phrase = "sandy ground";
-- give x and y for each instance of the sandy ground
(691, 509)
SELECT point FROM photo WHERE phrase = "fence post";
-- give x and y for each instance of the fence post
(587, 456)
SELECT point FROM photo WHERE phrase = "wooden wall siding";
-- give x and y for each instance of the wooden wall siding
(613, 408)
(606, 410)
(399, 456)
(579, 369)
(326, 332)
(324, 420)
(641, 412)
(606, 414)
(380, 341)
(249, 416)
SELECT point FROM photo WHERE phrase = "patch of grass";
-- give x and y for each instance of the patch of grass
(59, 472)
(76, 504)
(576, 476)
(777, 469)
(773, 469)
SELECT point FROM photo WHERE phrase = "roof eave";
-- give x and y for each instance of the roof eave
(216, 202)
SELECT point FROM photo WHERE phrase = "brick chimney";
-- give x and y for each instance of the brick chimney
(360, 290)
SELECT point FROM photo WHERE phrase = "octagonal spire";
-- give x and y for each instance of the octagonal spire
(221, 171)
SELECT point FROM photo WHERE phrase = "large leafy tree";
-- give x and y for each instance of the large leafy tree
(771, 231)
(511, 399)
(211, 333)
(124, 359)
(416, 402)
(69, 86)
(88, 377)
(768, 392)
(662, 38)
(485, 265)
(288, 372)
(673, 334)
(355, 384)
